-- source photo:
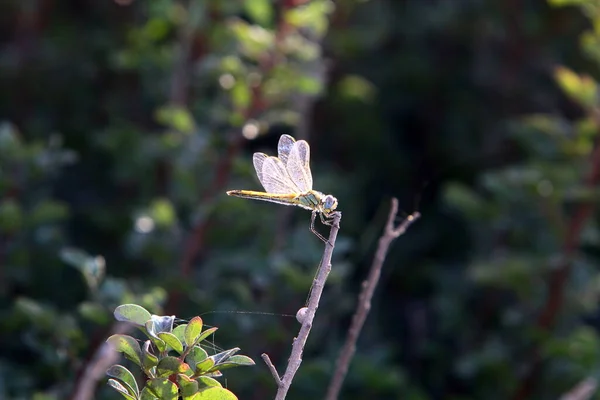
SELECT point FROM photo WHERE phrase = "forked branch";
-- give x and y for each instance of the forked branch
(364, 299)
(284, 382)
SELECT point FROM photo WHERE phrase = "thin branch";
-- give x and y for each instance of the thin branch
(313, 303)
(272, 368)
(583, 391)
(559, 277)
(95, 370)
(364, 299)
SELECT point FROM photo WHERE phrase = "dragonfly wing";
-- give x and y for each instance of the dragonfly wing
(286, 143)
(258, 160)
(298, 166)
(274, 177)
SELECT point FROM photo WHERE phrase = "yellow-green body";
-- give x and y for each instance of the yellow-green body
(312, 200)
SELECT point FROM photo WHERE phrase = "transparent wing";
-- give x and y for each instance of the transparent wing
(258, 159)
(298, 166)
(286, 143)
(273, 175)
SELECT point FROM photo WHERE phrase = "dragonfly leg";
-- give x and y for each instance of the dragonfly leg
(312, 227)
(328, 220)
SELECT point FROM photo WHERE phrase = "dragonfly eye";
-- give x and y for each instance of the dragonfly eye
(330, 203)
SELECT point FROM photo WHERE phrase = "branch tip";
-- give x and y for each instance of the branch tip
(272, 368)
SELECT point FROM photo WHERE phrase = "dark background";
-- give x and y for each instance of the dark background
(121, 130)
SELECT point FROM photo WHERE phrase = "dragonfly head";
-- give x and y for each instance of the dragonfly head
(329, 204)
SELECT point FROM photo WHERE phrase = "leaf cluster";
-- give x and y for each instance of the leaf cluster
(172, 359)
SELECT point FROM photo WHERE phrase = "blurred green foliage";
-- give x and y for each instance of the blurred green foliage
(123, 122)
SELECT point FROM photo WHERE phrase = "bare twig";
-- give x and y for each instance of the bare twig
(583, 391)
(364, 299)
(313, 303)
(272, 368)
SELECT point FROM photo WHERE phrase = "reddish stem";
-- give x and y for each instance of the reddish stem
(559, 277)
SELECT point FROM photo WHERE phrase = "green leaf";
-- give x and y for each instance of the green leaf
(356, 87)
(121, 389)
(562, 3)
(204, 366)
(132, 313)
(187, 386)
(171, 365)
(125, 376)
(179, 332)
(159, 343)
(163, 213)
(215, 393)
(232, 362)
(147, 394)
(240, 95)
(253, 40)
(241, 360)
(581, 88)
(149, 360)
(208, 381)
(309, 85)
(156, 29)
(206, 334)
(177, 118)
(232, 64)
(158, 324)
(193, 330)
(94, 312)
(171, 341)
(163, 388)
(224, 355)
(259, 11)
(313, 15)
(128, 346)
(196, 355)
(40, 315)
(91, 267)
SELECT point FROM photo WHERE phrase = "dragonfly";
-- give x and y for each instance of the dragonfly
(287, 180)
